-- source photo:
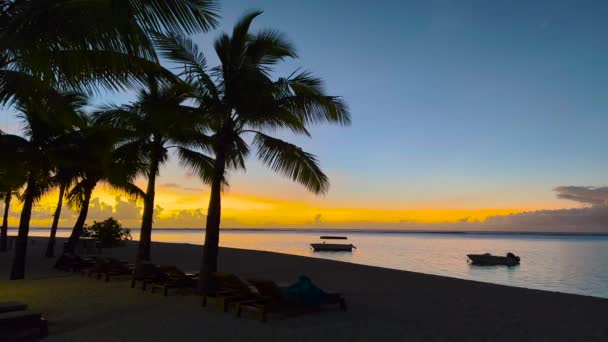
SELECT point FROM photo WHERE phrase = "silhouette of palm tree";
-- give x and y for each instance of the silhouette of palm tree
(241, 99)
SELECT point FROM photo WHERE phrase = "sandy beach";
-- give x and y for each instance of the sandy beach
(384, 304)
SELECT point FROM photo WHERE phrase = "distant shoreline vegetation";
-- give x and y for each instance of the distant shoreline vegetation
(365, 231)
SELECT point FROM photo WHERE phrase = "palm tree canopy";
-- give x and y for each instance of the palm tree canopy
(13, 172)
(86, 43)
(160, 116)
(243, 98)
(97, 156)
(47, 122)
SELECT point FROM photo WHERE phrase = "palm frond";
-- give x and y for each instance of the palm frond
(197, 163)
(303, 95)
(291, 161)
(179, 16)
(185, 52)
(268, 47)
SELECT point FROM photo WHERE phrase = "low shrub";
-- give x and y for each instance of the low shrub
(109, 232)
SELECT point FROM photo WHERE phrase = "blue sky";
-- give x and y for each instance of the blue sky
(455, 104)
(456, 97)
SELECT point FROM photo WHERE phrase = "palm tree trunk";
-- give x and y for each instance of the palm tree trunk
(4, 229)
(212, 230)
(18, 269)
(50, 247)
(145, 237)
(79, 225)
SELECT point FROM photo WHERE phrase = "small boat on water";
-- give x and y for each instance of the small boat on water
(488, 259)
(332, 247)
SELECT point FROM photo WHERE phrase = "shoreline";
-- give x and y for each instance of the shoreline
(384, 304)
(365, 231)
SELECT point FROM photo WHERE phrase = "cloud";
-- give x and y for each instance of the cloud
(171, 185)
(177, 186)
(595, 196)
(591, 217)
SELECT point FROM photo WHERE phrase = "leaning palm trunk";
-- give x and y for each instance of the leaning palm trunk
(79, 225)
(4, 229)
(212, 230)
(18, 269)
(50, 248)
(145, 238)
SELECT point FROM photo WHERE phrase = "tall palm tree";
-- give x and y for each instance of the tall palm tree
(242, 98)
(46, 119)
(82, 44)
(12, 178)
(157, 121)
(64, 177)
(100, 159)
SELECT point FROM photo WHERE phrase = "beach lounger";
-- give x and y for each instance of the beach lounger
(72, 263)
(22, 325)
(276, 302)
(95, 268)
(231, 290)
(12, 306)
(172, 277)
(116, 268)
(146, 273)
(107, 268)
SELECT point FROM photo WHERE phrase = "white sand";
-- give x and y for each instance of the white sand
(384, 305)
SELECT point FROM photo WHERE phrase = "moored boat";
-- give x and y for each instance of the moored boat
(332, 237)
(488, 259)
(332, 247)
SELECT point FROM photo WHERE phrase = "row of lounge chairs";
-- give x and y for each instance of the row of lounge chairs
(258, 296)
(98, 267)
(255, 296)
(163, 278)
(17, 323)
(264, 297)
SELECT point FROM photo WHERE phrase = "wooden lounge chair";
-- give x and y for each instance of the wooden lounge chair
(107, 268)
(116, 268)
(73, 262)
(22, 325)
(172, 277)
(277, 303)
(146, 273)
(95, 268)
(12, 306)
(230, 291)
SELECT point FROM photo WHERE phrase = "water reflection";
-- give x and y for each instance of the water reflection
(574, 264)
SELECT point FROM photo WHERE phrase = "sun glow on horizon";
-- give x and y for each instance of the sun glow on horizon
(186, 208)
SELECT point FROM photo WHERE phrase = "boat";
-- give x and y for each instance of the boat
(332, 247)
(488, 259)
(331, 237)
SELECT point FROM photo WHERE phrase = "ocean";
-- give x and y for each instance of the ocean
(563, 263)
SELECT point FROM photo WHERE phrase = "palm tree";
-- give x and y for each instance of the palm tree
(242, 99)
(99, 159)
(158, 118)
(84, 44)
(7, 195)
(64, 177)
(12, 178)
(46, 119)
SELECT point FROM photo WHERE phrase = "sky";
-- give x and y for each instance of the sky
(471, 114)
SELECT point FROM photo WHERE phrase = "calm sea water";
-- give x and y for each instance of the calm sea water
(571, 264)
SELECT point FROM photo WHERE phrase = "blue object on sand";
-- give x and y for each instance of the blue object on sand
(303, 290)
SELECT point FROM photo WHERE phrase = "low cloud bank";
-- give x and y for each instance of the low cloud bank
(591, 218)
